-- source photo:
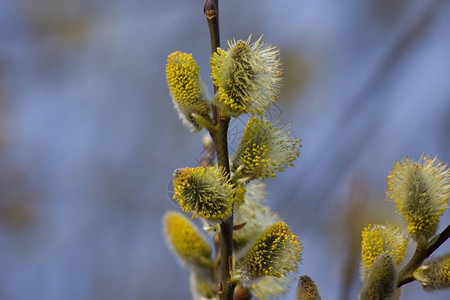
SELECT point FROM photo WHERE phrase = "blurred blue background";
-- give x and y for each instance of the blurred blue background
(89, 138)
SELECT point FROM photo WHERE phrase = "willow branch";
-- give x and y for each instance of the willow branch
(211, 10)
(219, 136)
(420, 255)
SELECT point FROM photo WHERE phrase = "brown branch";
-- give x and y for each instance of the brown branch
(219, 135)
(420, 255)
(211, 10)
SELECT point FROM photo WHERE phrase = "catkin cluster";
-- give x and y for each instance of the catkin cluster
(266, 252)
(420, 190)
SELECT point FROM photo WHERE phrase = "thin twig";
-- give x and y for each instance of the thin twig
(219, 135)
(420, 255)
(211, 10)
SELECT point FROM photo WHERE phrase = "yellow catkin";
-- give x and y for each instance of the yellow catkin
(276, 252)
(248, 76)
(378, 239)
(184, 239)
(265, 149)
(186, 88)
(182, 75)
(204, 192)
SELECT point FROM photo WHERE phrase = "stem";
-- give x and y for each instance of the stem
(420, 255)
(211, 10)
(219, 136)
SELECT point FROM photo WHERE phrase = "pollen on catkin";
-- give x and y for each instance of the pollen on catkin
(381, 281)
(186, 88)
(254, 214)
(276, 252)
(248, 76)
(378, 239)
(307, 289)
(185, 240)
(421, 190)
(434, 274)
(205, 192)
(265, 149)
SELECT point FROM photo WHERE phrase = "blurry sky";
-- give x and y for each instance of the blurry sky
(89, 138)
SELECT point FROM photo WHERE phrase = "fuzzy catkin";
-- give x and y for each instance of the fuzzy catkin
(248, 76)
(186, 88)
(265, 149)
(276, 252)
(434, 274)
(379, 239)
(421, 190)
(204, 192)
(307, 289)
(381, 281)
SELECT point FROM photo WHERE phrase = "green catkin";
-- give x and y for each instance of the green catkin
(264, 150)
(254, 214)
(248, 76)
(276, 252)
(202, 287)
(269, 287)
(204, 192)
(421, 190)
(381, 281)
(307, 289)
(434, 274)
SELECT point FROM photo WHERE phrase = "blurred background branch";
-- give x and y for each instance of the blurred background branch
(89, 139)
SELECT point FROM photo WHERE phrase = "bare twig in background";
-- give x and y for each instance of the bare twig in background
(407, 38)
(353, 224)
